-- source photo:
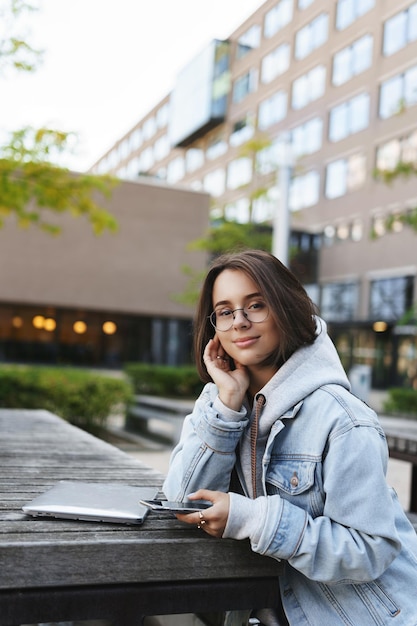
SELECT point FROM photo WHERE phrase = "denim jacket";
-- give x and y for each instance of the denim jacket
(324, 506)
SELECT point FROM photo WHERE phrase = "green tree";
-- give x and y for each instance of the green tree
(34, 190)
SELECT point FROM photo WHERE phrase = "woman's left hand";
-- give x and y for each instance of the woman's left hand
(213, 520)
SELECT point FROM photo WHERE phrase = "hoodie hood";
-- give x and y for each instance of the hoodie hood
(305, 371)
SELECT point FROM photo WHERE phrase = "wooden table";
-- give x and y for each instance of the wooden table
(59, 570)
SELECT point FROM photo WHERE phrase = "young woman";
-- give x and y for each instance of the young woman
(288, 456)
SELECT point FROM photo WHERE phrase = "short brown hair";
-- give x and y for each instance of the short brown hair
(290, 306)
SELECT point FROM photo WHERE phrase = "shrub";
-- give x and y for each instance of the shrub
(402, 400)
(164, 380)
(81, 397)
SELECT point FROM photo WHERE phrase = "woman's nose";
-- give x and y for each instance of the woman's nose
(239, 318)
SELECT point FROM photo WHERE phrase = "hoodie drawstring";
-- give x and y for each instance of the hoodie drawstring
(260, 401)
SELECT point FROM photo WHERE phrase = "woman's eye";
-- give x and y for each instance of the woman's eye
(256, 305)
(224, 313)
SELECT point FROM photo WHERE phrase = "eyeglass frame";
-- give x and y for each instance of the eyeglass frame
(246, 316)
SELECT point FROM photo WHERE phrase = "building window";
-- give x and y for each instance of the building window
(239, 172)
(162, 116)
(278, 17)
(238, 211)
(269, 158)
(214, 182)
(175, 170)
(136, 139)
(146, 159)
(398, 92)
(339, 301)
(161, 148)
(149, 128)
(312, 36)
(345, 175)
(216, 148)
(304, 4)
(304, 191)
(349, 117)
(250, 40)
(348, 11)
(400, 30)
(352, 60)
(308, 87)
(242, 130)
(391, 297)
(275, 63)
(389, 154)
(272, 110)
(244, 85)
(307, 138)
(194, 158)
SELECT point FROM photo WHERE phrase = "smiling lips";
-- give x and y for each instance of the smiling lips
(245, 342)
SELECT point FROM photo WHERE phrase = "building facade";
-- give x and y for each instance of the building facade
(328, 91)
(100, 301)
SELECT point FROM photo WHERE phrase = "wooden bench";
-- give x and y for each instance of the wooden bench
(61, 570)
(158, 417)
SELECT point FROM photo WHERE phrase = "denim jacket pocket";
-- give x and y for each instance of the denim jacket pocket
(296, 480)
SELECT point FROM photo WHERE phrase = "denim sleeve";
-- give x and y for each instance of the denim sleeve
(206, 453)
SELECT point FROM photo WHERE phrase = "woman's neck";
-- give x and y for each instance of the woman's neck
(258, 377)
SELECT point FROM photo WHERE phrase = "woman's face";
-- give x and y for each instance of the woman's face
(248, 343)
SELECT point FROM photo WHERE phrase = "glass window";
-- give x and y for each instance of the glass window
(217, 147)
(136, 139)
(400, 30)
(304, 4)
(275, 63)
(304, 191)
(349, 117)
(268, 159)
(398, 92)
(307, 138)
(194, 158)
(345, 175)
(242, 130)
(389, 154)
(311, 36)
(175, 170)
(308, 87)
(244, 85)
(162, 116)
(348, 11)
(278, 17)
(149, 128)
(352, 60)
(248, 41)
(239, 172)
(161, 148)
(339, 301)
(214, 182)
(336, 179)
(391, 297)
(146, 159)
(272, 110)
(238, 211)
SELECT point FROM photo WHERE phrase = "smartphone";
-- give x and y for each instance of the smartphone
(176, 507)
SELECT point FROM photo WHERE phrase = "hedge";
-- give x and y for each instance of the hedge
(402, 401)
(82, 397)
(164, 380)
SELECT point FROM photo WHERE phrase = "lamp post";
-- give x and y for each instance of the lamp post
(281, 218)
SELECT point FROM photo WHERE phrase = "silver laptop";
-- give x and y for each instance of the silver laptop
(93, 502)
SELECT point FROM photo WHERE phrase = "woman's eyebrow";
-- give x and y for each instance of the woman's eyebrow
(248, 297)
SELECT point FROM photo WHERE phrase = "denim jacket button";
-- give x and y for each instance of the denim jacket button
(294, 480)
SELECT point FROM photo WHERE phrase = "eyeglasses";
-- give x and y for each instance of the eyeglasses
(222, 319)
